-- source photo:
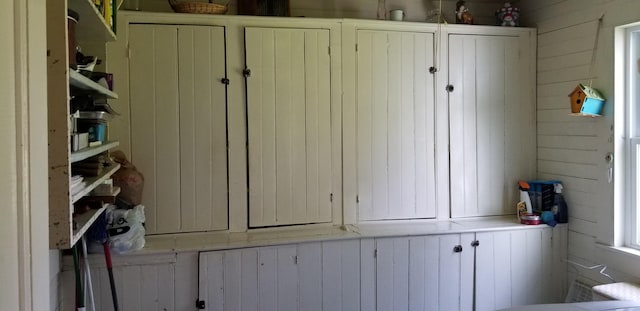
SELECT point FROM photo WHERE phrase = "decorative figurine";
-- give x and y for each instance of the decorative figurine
(508, 15)
(462, 14)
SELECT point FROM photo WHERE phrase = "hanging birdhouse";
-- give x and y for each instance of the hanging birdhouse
(586, 100)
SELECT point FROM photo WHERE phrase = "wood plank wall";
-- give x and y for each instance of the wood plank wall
(572, 149)
(418, 11)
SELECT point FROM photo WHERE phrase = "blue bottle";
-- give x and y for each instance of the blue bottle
(561, 214)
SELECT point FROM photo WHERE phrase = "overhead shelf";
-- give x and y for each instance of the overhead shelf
(81, 82)
(91, 26)
(89, 152)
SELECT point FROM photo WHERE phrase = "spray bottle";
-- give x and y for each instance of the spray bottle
(524, 197)
(561, 214)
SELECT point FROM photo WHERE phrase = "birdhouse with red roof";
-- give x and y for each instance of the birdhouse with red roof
(586, 100)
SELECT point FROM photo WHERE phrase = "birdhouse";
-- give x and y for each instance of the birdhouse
(586, 100)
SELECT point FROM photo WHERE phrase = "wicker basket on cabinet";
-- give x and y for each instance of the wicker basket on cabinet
(198, 7)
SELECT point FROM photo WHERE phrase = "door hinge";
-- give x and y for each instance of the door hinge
(246, 72)
(200, 304)
(329, 50)
(331, 197)
(357, 199)
(295, 259)
(356, 47)
(375, 253)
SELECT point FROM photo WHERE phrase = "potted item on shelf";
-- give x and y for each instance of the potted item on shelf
(462, 13)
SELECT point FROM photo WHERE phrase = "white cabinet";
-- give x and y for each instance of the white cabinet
(395, 125)
(492, 120)
(288, 80)
(178, 125)
(308, 276)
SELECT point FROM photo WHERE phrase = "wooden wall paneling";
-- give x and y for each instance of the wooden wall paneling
(467, 270)
(268, 278)
(211, 279)
(449, 273)
(364, 136)
(519, 294)
(290, 126)
(392, 273)
(155, 134)
(423, 273)
(287, 278)
(202, 128)
(368, 274)
(340, 275)
(486, 289)
(311, 270)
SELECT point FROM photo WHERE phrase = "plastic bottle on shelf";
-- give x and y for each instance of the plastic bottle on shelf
(560, 209)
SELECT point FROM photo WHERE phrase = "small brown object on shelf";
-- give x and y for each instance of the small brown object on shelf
(198, 7)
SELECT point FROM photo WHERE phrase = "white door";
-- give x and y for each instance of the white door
(418, 273)
(178, 125)
(515, 268)
(289, 126)
(395, 125)
(492, 123)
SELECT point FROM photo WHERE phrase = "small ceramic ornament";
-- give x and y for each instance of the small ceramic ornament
(508, 15)
(462, 13)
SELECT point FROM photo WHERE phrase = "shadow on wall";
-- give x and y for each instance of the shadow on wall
(416, 11)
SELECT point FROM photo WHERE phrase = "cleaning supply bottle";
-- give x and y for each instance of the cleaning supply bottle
(559, 205)
(524, 195)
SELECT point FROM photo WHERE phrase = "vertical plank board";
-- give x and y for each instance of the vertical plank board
(166, 286)
(287, 275)
(364, 118)
(219, 194)
(368, 274)
(350, 274)
(503, 266)
(311, 269)
(186, 279)
(456, 130)
(132, 294)
(249, 280)
(393, 115)
(469, 140)
(535, 281)
(401, 274)
(268, 278)
(232, 277)
(432, 275)
(188, 97)
(325, 126)
(519, 294)
(418, 299)
(312, 119)
(384, 274)
(284, 125)
(379, 103)
(485, 283)
(149, 284)
(331, 276)
(407, 109)
(490, 129)
(429, 117)
(449, 273)
(298, 124)
(467, 266)
(213, 277)
(166, 130)
(548, 285)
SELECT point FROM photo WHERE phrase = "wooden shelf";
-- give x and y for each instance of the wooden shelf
(91, 27)
(93, 182)
(81, 82)
(84, 221)
(91, 151)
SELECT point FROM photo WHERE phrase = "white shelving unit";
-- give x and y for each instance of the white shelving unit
(92, 32)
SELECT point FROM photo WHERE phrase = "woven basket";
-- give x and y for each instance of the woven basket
(197, 7)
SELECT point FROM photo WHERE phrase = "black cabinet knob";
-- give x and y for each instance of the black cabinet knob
(457, 249)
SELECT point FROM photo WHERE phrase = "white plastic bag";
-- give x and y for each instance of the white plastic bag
(126, 229)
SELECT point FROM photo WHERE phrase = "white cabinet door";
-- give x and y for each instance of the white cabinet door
(307, 276)
(515, 268)
(178, 125)
(492, 122)
(395, 125)
(418, 273)
(289, 126)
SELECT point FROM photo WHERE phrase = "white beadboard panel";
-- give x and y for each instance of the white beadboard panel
(580, 127)
(288, 104)
(569, 155)
(311, 269)
(392, 273)
(368, 274)
(584, 31)
(178, 125)
(585, 143)
(154, 132)
(488, 120)
(564, 61)
(340, 276)
(587, 171)
(395, 125)
(449, 273)
(424, 276)
(203, 140)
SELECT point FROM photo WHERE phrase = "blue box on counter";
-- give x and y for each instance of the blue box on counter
(542, 194)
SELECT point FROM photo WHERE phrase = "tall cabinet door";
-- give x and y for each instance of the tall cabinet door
(492, 122)
(395, 125)
(289, 126)
(178, 125)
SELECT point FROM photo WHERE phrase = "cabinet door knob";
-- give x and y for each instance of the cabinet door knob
(475, 243)
(449, 88)
(246, 72)
(457, 249)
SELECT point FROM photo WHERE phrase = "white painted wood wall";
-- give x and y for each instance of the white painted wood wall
(178, 125)
(289, 126)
